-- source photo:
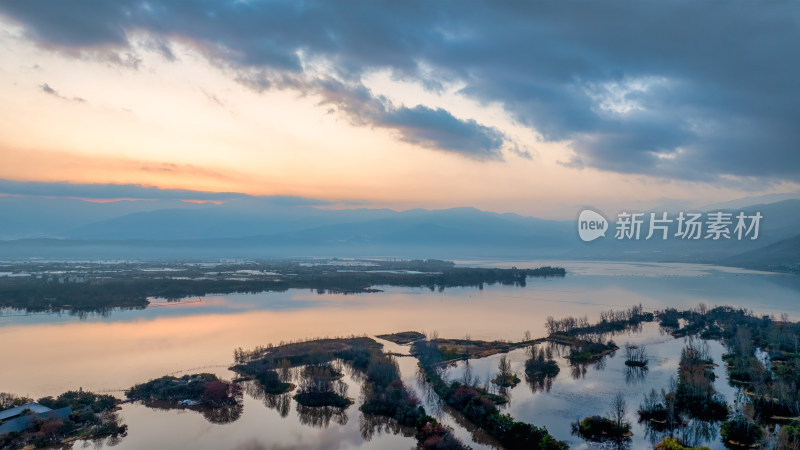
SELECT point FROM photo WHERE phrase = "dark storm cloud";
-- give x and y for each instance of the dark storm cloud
(682, 89)
(437, 128)
(431, 128)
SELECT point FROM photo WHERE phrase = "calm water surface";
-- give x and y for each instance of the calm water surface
(586, 390)
(46, 354)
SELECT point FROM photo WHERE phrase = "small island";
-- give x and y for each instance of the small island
(598, 428)
(320, 386)
(612, 428)
(403, 337)
(219, 401)
(202, 389)
(585, 351)
(586, 339)
(541, 364)
(505, 378)
(670, 443)
(636, 356)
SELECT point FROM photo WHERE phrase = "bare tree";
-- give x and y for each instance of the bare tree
(550, 324)
(285, 366)
(505, 378)
(635, 355)
(618, 409)
(468, 380)
(669, 402)
(505, 366)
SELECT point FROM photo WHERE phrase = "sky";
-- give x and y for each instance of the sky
(536, 108)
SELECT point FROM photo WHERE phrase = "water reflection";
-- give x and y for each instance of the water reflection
(316, 380)
(541, 367)
(696, 432)
(692, 432)
(370, 426)
(578, 370)
(467, 374)
(635, 374)
(623, 443)
(220, 415)
(432, 402)
(128, 347)
(279, 402)
(224, 414)
(559, 401)
(99, 443)
(321, 416)
(438, 409)
(540, 384)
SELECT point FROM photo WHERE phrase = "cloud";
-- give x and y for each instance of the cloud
(163, 48)
(214, 100)
(431, 128)
(438, 129)
(683, 89)
(50, 91)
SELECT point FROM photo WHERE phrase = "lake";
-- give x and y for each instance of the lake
(46, 354)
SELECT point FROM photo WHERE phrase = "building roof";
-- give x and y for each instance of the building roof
(23, 422)
(17, 410)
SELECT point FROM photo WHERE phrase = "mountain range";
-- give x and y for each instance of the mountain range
(280, 227)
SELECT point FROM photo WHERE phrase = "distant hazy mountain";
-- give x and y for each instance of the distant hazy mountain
(782, 255)
(749, 201)
(276, 227)
(28, 217)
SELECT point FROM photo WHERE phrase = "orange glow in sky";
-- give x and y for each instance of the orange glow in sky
(189, 125)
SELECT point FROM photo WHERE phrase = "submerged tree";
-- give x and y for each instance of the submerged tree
(636, 355)
(613, 428)
(320, 386)
(618, 410)
(738, 432)
(505, 378)
(540, 368)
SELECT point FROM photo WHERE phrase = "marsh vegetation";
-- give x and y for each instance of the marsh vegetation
(308, 377)
(613, 427)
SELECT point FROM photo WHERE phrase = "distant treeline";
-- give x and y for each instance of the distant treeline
(128, 289)
(610, 322)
